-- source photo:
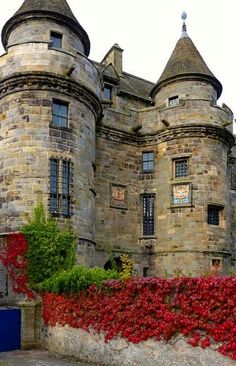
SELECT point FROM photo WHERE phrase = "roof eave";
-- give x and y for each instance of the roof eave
(14, 21)
(183, 77)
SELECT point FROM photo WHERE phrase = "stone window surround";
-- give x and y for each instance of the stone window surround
(173, 101)
(110, 90)
(64, 103)
(60, 182)
(148, 161)
(57, 35)
(151, 195)
(220, 209)
(176, 157)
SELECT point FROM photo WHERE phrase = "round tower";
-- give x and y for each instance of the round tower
(192, 189)
(50, 101)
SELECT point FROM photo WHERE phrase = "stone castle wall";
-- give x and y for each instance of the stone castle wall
(89, 347)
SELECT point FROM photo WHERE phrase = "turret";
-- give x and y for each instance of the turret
(50, 102)
(35, 19)
(192, 195)
(186, 64)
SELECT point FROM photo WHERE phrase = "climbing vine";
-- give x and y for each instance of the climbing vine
(201, 309)
(13, 256)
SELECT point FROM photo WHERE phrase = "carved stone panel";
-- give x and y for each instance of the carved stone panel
(118, 196)
(181, 194)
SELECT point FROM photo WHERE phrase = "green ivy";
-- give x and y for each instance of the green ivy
(77, 279)
(50, 249)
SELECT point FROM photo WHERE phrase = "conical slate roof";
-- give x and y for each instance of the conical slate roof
(186, 63)
(57, 10)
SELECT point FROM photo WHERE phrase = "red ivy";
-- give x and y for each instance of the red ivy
(13, 257)
(202, 309)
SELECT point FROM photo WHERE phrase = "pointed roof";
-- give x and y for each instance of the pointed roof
(109, 72)
(186, 63)
(57, 10)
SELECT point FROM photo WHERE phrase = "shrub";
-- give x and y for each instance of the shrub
(77, 279)
(127, 267)
(50, 249)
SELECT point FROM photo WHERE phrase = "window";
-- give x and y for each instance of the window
(59, 114)
(148, 214)
(56, 40)
(173, 101)
(181, 168)
(60, 187)
(148, 161)
(216, 265)
(107, 91)
(213, 215)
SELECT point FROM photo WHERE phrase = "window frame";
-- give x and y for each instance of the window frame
(148, 214)
(60, 189)
(57, 117)
(54, 38)
(173, 101)
(148, 161)
(108, 87)
(179, 160)
(215, 209)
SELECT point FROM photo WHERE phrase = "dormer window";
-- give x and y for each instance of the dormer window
(56, 40)
(107, 92)
(173, 101)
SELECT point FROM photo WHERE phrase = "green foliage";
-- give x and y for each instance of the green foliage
(50, 249)
(127, 267)
(77, 279)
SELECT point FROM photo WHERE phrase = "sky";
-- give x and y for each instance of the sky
(148, 31)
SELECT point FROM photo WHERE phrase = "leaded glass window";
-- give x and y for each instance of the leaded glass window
(60, 187)
(181, 168)
(213, 215)
(59, 114)
(148, 161)
(148, 214)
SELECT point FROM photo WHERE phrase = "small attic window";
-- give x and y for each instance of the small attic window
(107, 91)
(56, 40)
(173, 101)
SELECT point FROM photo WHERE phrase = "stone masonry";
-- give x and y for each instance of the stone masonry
(113, 119)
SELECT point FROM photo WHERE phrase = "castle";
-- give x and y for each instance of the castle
(135, 167)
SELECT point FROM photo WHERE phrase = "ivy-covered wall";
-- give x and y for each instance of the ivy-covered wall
(203, 310)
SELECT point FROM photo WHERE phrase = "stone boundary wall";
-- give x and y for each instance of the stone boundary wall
(92, 348)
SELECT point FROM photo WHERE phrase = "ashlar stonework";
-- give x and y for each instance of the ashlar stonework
(75, 134)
